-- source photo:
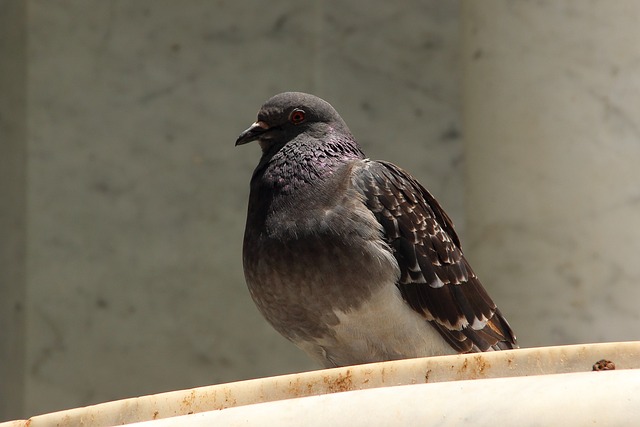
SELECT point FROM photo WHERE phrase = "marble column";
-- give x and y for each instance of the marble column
(12, 206)
(552, 134)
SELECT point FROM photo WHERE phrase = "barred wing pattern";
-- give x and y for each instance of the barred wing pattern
(436, 280)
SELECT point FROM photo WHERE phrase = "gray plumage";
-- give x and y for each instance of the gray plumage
(352, 259)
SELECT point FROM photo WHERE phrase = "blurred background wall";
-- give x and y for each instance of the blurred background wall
(124, 199)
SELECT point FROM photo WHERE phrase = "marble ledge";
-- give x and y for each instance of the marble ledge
(542, 378)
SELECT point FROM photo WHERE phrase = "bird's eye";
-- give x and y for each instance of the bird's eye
(296, 116)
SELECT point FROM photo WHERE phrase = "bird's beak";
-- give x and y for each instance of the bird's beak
(253, 133)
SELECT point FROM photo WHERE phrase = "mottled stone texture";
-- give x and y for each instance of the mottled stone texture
(137, 196)
(552, 134)
(12, 206)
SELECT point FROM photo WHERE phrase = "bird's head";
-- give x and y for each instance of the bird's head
(290, 114)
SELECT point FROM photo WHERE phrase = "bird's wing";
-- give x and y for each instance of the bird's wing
(436, 279)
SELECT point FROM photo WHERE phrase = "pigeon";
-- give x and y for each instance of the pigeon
(352, 259)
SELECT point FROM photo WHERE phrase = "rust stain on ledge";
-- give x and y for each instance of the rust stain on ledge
(299, 388)
(343, 382)
(474, 368)
(426, 375)
(188, 400)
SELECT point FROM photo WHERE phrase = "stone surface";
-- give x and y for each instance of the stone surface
(137, 195)
(552, 131)
(13, 49)
(536, 379)
(521, 401)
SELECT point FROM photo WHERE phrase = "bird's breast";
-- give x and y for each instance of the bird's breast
(309, 259)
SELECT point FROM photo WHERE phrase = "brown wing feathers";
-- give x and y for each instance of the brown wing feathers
(435, 279)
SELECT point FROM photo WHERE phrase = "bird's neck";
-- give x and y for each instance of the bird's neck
(293, 180)
(297, 167)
